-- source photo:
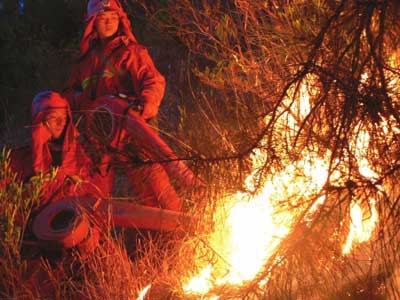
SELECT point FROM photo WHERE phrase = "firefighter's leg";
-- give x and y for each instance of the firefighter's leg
(151, 146)
(153, 187)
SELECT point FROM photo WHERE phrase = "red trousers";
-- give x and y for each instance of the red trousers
(150, 183)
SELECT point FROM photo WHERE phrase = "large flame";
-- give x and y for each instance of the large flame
(250, 226)
(363, 218)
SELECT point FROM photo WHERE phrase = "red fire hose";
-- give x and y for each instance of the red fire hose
(61, 222)
(69, 221)
(119, 121)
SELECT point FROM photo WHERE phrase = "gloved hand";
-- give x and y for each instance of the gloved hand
(133, 103)
(137, 106)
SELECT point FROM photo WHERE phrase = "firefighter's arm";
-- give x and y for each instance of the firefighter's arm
(147, 81)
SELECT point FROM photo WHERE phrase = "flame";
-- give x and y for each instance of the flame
(361, 146)
(143, 292)
(361, 229)
(249, 227)
(253, 236)
(201, 283)
(363, 221)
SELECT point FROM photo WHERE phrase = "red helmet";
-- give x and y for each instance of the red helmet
(42, 104)
(98, 6)
(45, 101)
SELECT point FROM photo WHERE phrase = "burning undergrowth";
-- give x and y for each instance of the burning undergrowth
(309, 227)
(316, 212)
(294, 127)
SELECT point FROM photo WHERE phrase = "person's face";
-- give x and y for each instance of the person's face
(106, 24)
(55, 121)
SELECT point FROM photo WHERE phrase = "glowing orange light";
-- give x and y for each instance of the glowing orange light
(361, 229)
(201, 283)
(143, 292)
(249, 227)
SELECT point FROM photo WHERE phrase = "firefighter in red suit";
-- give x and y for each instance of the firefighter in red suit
(54, 147)
(112, 62)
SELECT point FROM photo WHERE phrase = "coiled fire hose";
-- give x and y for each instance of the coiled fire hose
(68, 222)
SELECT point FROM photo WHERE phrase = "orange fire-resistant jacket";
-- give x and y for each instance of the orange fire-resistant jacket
(121, 66)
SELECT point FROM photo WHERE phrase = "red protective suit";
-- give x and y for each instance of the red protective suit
(120, 66)
(44, 154)
(147, 158)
